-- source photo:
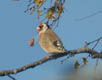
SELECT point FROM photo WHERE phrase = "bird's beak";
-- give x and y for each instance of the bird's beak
(38, 29)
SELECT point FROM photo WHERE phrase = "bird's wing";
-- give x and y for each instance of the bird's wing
(58, 44)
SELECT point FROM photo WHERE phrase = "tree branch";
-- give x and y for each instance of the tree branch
(92, 52)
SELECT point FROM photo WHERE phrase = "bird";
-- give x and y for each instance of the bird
(49, 41)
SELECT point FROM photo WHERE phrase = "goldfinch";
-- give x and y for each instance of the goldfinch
(49, 41)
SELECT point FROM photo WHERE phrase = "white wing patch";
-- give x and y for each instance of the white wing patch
(59, 45)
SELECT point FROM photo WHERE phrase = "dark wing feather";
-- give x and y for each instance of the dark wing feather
(59, 45)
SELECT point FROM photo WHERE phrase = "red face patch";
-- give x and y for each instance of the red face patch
(41, 25)
(39, 28)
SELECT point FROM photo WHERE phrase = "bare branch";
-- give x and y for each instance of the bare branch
(93, 53)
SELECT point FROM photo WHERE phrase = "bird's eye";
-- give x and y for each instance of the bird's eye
(40, 26)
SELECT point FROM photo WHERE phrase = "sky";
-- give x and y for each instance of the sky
(17, 28)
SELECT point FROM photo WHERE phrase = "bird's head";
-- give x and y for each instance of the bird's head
(42, 28)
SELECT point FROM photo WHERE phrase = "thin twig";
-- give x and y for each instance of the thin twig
(83, 18)
(96, 43)
(88, 43)
(11, 77)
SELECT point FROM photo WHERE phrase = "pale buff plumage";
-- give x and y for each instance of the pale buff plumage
(49, 41)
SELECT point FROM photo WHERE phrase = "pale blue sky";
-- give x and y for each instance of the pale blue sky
(17, 28)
